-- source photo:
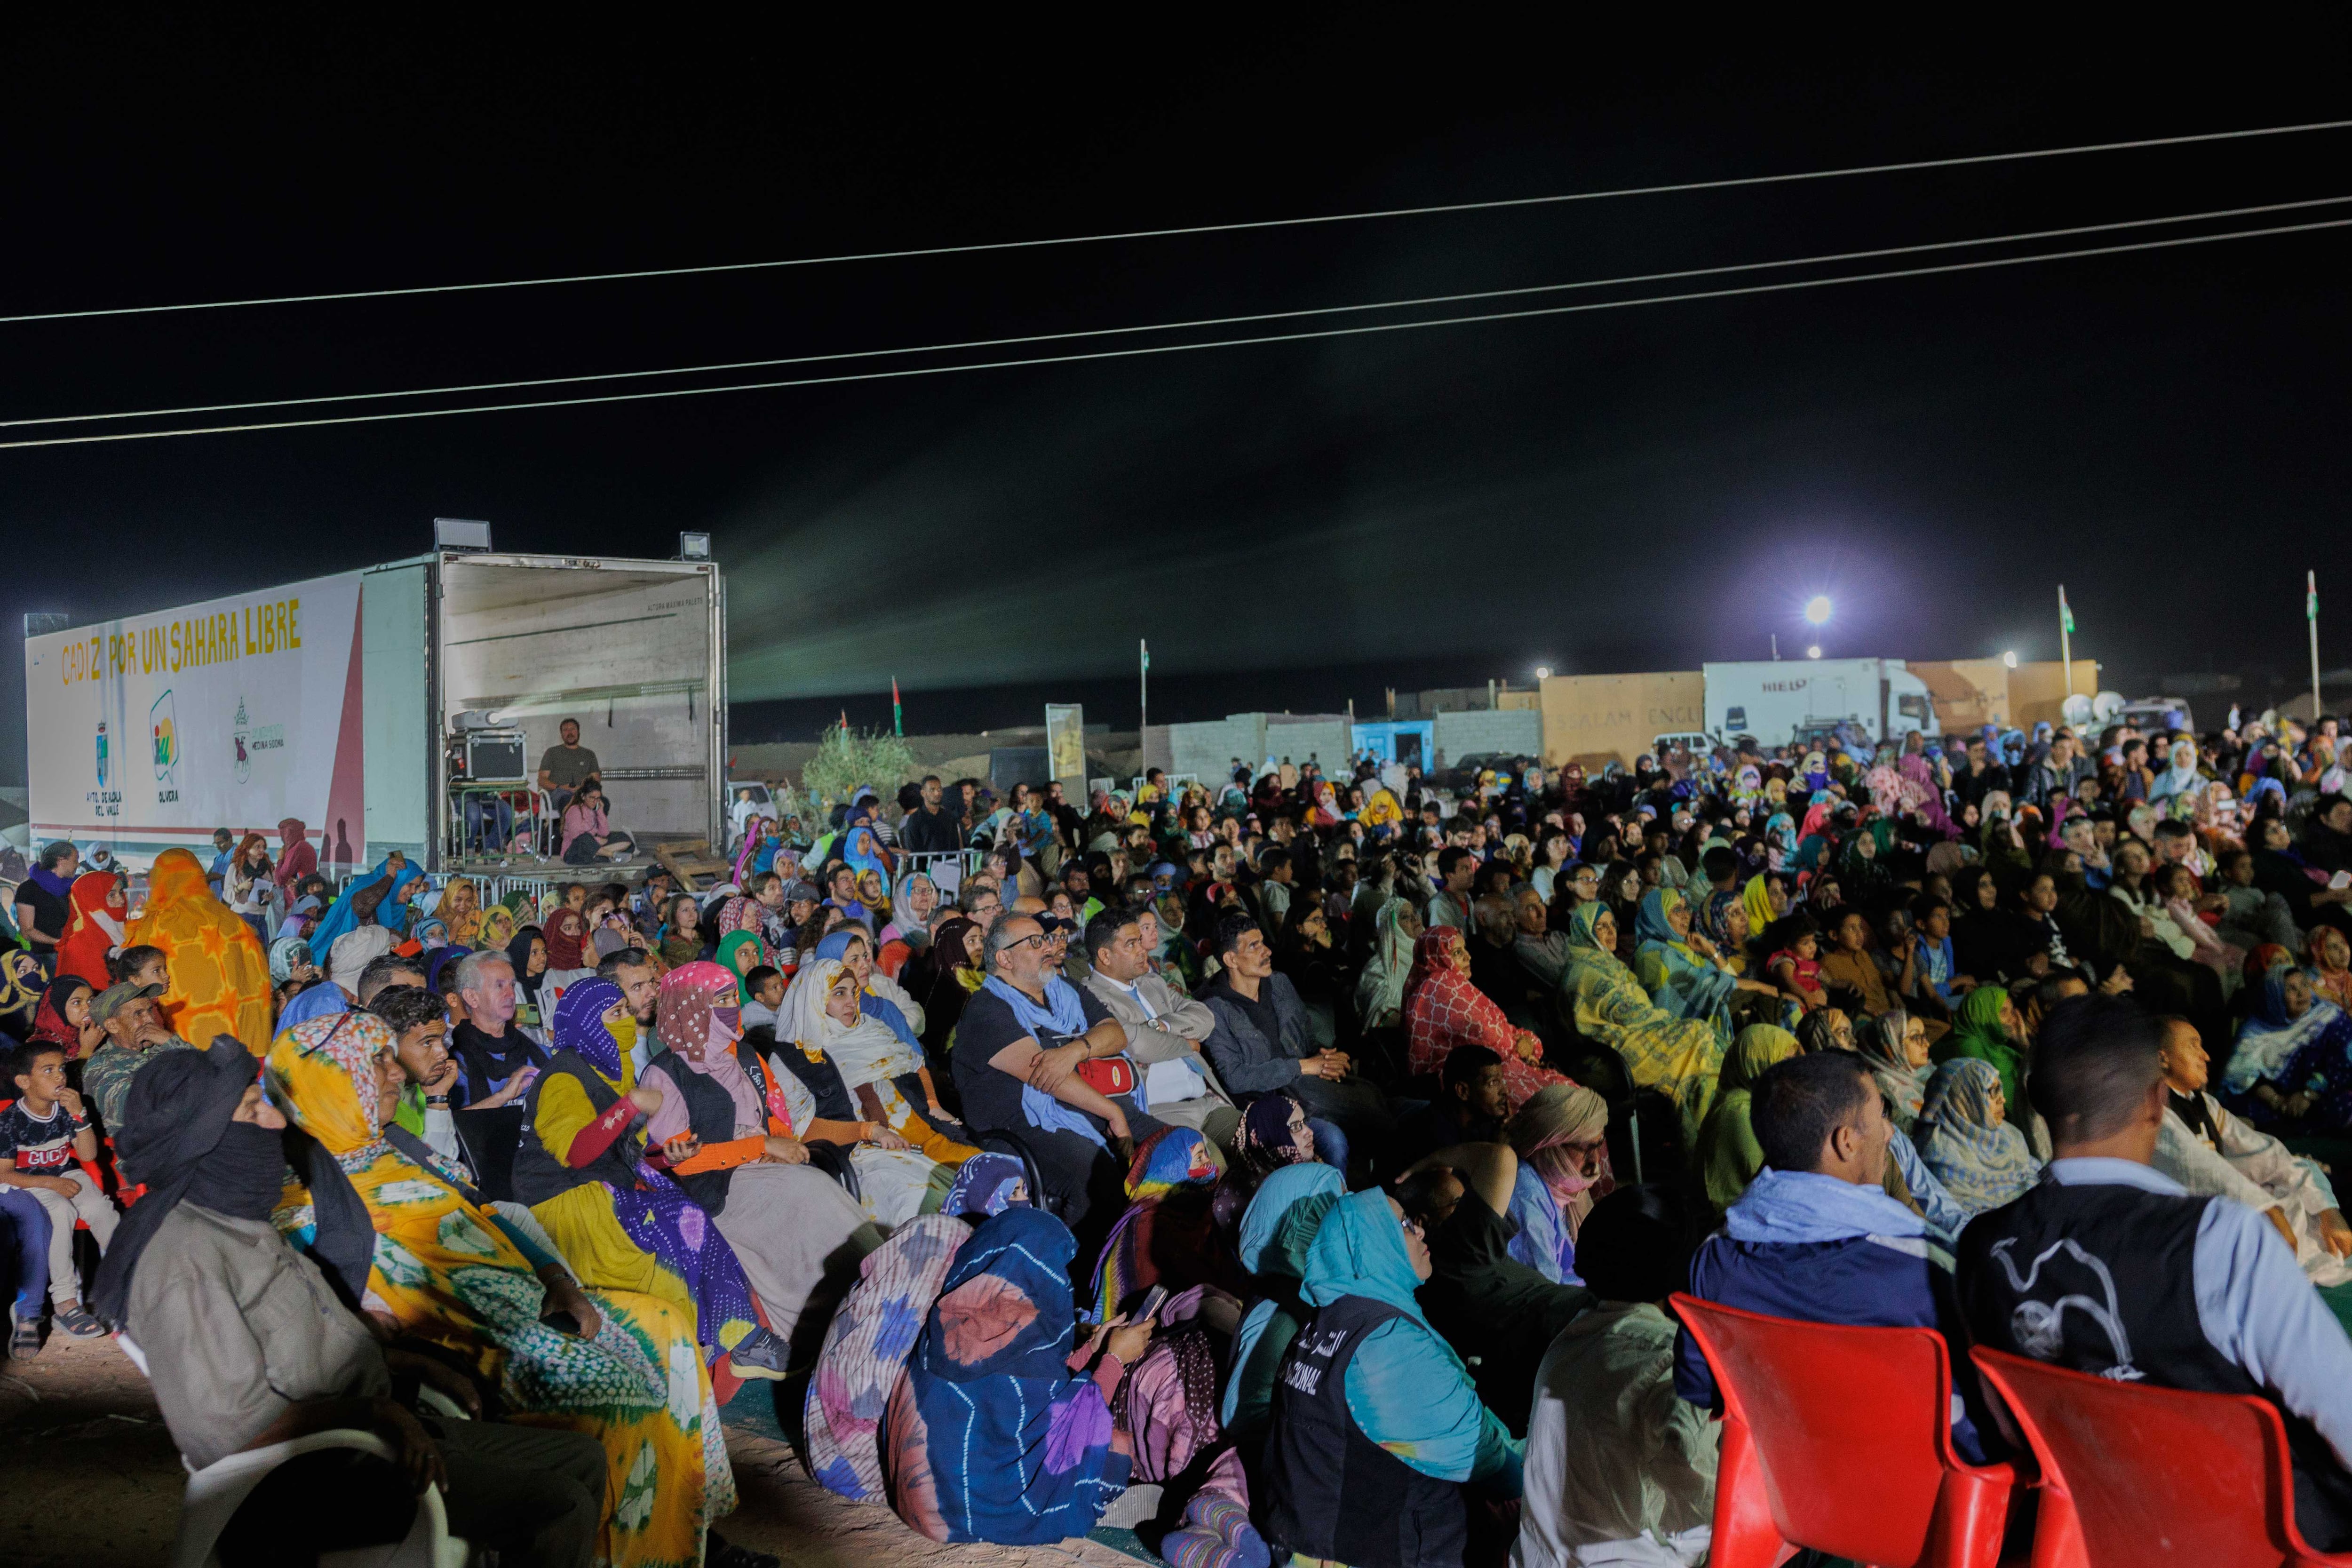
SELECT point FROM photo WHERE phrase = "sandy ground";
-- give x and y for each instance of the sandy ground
(92, 1481)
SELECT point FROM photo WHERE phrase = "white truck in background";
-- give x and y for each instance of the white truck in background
(378, 706)
(1784, 702)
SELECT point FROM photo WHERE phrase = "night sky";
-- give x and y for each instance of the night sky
(1290, 525)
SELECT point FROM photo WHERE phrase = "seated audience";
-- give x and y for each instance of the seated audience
(246, 1345)
(622, 1222)
(734, 1135)
(1727, 1156)
(134, 1033)
(1039, 1060)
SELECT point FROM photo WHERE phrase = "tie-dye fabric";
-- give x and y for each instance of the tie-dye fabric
(991, 1436)
(448, 1272)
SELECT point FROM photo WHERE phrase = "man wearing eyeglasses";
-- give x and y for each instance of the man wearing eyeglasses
(1025, 1059)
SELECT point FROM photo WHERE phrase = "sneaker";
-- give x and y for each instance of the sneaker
(721, 1553)
(759, 1354)
(79, 1321)
(23, 1336)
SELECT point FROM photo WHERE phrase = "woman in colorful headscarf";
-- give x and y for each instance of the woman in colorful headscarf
(1986, 1026)
(1679, 1057)
(734, 1135)
(62, 1019)
(863, 849)
(2293, 1060)
(444, 1267)
(1382, 813)
(1727, 1155)
(1766, 899)
(910, 910)
(1967, 1141)
(990, 1434)
(827, 1010)
(1379, 989)
(219, 974)
(740, 952)
(459, 909)
(497, 928)
(622, 1224)
(743, 915)
(1561, 1139)
(1894, 1045)
(20, 992)
(95, 927)
(567, 942)
(1443, 1012)
(1166, 1235)
(360, 903)
(1685, 977)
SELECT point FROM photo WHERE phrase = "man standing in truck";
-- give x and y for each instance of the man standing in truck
(563, 769)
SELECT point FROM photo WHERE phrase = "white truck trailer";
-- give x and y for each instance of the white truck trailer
(379, 706)
(1796, 701)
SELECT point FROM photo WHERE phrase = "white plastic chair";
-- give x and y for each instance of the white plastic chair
(215, 1492)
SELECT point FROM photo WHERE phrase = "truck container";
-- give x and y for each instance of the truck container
(1595, 720)
(395, 707)
(1785, 702)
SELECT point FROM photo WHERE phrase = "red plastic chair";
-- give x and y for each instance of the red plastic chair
(2137, 1474)
(1841, 1439)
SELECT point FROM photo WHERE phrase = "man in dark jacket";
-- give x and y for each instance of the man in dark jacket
(2107, 1266)
(931, 829)
(1815, 1238)
(1265, 1041)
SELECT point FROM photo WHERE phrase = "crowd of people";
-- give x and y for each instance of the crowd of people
(1289, 1166)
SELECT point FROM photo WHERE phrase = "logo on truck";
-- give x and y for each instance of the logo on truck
(163, 732)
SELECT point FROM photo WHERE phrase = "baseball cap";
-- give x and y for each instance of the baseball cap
(113, 1000)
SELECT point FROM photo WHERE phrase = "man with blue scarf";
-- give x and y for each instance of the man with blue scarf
(1815, 1238)
(1019, 1046)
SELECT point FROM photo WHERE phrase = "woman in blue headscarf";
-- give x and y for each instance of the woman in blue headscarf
(1402, 1394)
(1685, 978)
(368, 900)
(2294, 1061)
(990, 1434)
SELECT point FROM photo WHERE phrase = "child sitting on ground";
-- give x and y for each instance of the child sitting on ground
(42, 1137)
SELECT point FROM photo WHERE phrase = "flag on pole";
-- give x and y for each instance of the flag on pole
(845, 721)
(897, 713)
(2065, 616)
(2311, 595)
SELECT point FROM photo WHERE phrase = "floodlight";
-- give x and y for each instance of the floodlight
(1817, 609)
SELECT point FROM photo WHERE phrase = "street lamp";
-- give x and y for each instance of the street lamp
(1543, 672)
(1814, 651)
(2010, 659)
(1817, 610)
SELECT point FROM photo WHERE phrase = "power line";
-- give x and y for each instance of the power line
(1426, 299)
(1188, 348)
(1679, 187)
